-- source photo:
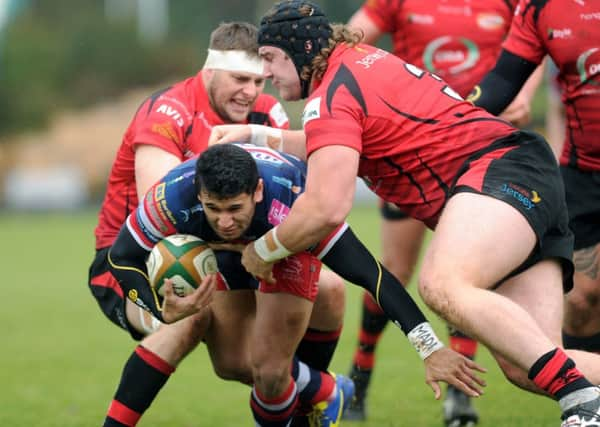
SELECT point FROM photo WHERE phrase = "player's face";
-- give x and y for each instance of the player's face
(232, 94)
(282, 72)
(230, 217)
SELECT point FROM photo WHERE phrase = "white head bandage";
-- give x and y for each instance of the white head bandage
(233, 60)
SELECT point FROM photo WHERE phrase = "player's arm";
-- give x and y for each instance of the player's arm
(151, 164)
(441, 363)
(127, 263)
(318, 211)
(361, 21)
(500, 86)
(518, 111)
(289, 141)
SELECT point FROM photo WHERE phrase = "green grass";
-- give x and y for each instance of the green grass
(61, 359)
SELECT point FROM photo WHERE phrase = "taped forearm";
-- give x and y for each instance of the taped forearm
(501, 85)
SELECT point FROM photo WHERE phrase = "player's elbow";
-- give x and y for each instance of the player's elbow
(334, 212)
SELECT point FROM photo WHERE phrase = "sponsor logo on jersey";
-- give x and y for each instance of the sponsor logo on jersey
(588, 66)
(590, 16)
(527, 198)
(565, 33)
(287, 184)
(277, 212)
(416, 18)
(187, 213)
(159, 191)
(134, 297)
(172, 113)
(278, 114)
(312, 110)
(371, 58)
(455, 10)
(165, 129)
(490, 21)
(267, 155)
(450, 55)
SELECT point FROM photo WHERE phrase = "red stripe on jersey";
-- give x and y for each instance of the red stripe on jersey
(138, 234)
(123, 414)
(107, 280)
(154, 360)
(331, 239)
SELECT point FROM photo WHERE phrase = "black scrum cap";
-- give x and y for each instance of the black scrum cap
(301, 36)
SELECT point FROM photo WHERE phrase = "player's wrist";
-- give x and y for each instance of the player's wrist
(424, 340)
(269, 248)
(265, 136)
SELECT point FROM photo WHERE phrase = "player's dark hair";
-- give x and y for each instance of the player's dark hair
(235, 36)
(225, 171)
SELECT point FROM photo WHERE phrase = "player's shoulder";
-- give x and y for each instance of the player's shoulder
(268, 111)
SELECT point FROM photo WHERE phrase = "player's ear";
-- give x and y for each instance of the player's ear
(258, 193)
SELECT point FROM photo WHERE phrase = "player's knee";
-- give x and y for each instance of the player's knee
(328, 311)
(583, 300)
(233, 368)
(516, 375)
(434, 292)
(271, 378)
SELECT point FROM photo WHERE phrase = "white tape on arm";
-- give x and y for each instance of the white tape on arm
(265, 136)
(269, 248)
(424, 340)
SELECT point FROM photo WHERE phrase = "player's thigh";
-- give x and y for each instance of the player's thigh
(283, 309)
(539, 291)
(478, 241)
(228, 337)
(281, 321)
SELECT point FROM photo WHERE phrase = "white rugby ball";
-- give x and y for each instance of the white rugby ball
(183, 258)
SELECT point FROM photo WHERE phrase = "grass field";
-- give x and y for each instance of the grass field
(61, 359)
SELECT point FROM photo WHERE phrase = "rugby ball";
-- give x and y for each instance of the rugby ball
(183, 258)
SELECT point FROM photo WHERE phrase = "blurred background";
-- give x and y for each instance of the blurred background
(72, 73)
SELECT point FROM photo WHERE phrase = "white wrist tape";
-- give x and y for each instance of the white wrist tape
(424, 340)
(265, 136)
(233, 60)
(269, 248)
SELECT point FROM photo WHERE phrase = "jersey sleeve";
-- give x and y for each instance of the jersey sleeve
(162, 123)
(338, 124)
(152, 220)
(523, 38)
(274, 113)
(383, 13)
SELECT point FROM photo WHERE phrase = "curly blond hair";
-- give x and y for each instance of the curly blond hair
(341, 34)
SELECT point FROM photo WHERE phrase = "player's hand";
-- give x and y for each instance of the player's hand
(256, 266)
(176, 307)
(518, 112)
(455, 369)
(224, 134)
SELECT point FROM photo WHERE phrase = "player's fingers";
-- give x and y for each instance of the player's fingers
(437, 391)
(466, 388)
(168, 288)
(474, 365)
